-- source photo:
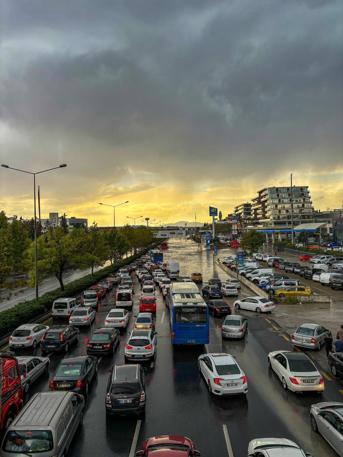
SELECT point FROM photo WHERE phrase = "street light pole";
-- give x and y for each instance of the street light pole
(34, 173)
(114, 210)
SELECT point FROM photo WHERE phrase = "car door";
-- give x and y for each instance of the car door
(280, 365)
(30, 375)
(250, 304)
(331, 428)
(39, 367)
(204, 368)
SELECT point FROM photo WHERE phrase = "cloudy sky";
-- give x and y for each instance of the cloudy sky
(172, 105)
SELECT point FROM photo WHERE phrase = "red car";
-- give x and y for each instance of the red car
(168, 446)
(147, 304)
(11, 395)
(304, 257)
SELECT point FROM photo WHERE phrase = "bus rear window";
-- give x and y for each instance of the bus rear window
(190, 315)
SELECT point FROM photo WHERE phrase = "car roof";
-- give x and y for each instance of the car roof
(116, 309)
(137, 333)
(58, 328)
(78, 359)
(309, 325)
(125, 373)
(296, 356)
(222, 359)
(145, 314)
(104, 330)
(235, 317)
(64, 299)
(26, 326)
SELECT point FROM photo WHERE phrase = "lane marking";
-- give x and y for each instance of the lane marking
(275, 327)
(327, 376)
(163, 316)
(228, 441)
(285, 337)
(268, 320)
(135, 439)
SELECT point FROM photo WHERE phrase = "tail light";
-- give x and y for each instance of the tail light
(294, 380)
(108, 400)
(62, 337)
(142, 397)
(79, 384)
(244, 379)
(28, 338)
(321, 381)
(51, 384)
(107, 346)
(149, 347)
(88, 345)
(313, 341)
(85, 318)
(292, 337)
(217, 381)
(128, 347)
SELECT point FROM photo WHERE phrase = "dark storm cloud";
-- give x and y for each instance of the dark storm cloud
(215, 88)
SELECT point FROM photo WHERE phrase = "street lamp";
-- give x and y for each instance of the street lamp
(34, 173)
(134, 218)
(114, 209)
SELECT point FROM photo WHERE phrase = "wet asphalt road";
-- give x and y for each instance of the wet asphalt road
(177, 398)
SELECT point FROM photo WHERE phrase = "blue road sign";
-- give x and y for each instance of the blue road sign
(213, 211)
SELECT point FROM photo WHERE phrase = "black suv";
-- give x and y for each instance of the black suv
(59, 338)
(126, 390)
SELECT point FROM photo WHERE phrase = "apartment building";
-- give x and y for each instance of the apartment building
(244, 211)
(273, 206)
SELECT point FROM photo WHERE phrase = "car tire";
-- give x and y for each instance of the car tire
(209, 388)
(237, 307)
(333, 370)
(258, 310)
(34, 345)
(66, 348)
(314, 425)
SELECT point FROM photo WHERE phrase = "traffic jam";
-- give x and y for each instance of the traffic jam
(169, 357)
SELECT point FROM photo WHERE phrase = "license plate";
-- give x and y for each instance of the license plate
(124, 400)
(308, 381)
(63, 386)
(97, 347)
(232, 384)
(50, 346)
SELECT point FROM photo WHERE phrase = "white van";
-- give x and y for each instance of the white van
(63, 307)
(124, 298)
(173, 269)
(45, 426)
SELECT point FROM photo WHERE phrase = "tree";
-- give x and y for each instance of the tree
(116, 245)
(64, 223)
(57, 251)
(19, 241)
(251, 241)
(93, 248)
(5, 259)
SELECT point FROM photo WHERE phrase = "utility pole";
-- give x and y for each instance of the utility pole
(39, 215)
(292, 215)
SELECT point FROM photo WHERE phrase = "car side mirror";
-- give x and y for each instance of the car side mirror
(140, 453)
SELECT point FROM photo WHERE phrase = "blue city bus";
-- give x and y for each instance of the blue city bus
(189, 318)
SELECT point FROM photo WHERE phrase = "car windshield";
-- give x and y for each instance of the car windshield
(124, 297)
(148, 289)
(89, 295)
(305, 331)
(301, 365)
(232, 322)
(21, 333)
(69, 369)
(60, 305)
(116, 314)
(125, 388)
(143, 320)
(190, 315)
(228, 369)
(25, 441)
(80, 312)
(139, 342)
(100, 337)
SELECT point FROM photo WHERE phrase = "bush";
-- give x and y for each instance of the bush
(29, 310)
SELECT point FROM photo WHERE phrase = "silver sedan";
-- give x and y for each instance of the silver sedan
(32, 368)
(234, 326)
(327, 419)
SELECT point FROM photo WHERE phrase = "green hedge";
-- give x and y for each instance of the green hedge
(26, 311)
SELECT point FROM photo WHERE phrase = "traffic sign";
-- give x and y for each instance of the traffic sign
(213, 211)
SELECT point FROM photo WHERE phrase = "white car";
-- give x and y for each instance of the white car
(257, 304)
(27, 336)
(233, 282)
(148, 290)
(141, 345)
(229, 290)
(82, 316)
(117, 317)
(275, 447)
(316, 276)
(222, 374)
(296, 371)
